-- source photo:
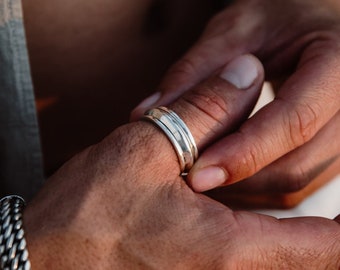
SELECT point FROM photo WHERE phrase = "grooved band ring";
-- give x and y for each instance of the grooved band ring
(178, 134)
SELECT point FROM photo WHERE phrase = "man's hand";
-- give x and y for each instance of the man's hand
(120, 204)
(294, 138)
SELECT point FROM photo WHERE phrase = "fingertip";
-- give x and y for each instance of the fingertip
(207, 178)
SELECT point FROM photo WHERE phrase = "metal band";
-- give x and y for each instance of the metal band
(178, 134)
(13, 250)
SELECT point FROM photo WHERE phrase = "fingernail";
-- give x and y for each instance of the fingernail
(208, 178)
(149, 101)
(241, 72)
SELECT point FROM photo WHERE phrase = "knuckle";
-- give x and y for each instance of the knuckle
(247, 161)
(208, 99)
(185, 66)
(252, 162)
(178, 75)
(302, 123)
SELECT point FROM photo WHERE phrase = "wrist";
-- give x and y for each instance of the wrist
(13, 250)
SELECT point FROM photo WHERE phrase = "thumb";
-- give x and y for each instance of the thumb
(265, 242)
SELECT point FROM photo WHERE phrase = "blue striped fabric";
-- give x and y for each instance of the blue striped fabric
(20, 152)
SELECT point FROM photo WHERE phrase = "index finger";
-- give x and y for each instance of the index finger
(304, 104)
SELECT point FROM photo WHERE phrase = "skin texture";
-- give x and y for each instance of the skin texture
(89, 72)
(120, 204)
(278, 150)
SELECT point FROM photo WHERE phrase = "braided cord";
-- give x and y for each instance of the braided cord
(13, 250)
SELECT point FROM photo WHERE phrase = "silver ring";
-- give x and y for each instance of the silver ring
(178, 133)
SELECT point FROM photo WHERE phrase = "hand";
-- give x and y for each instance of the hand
(294, 138)
(120, 204)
